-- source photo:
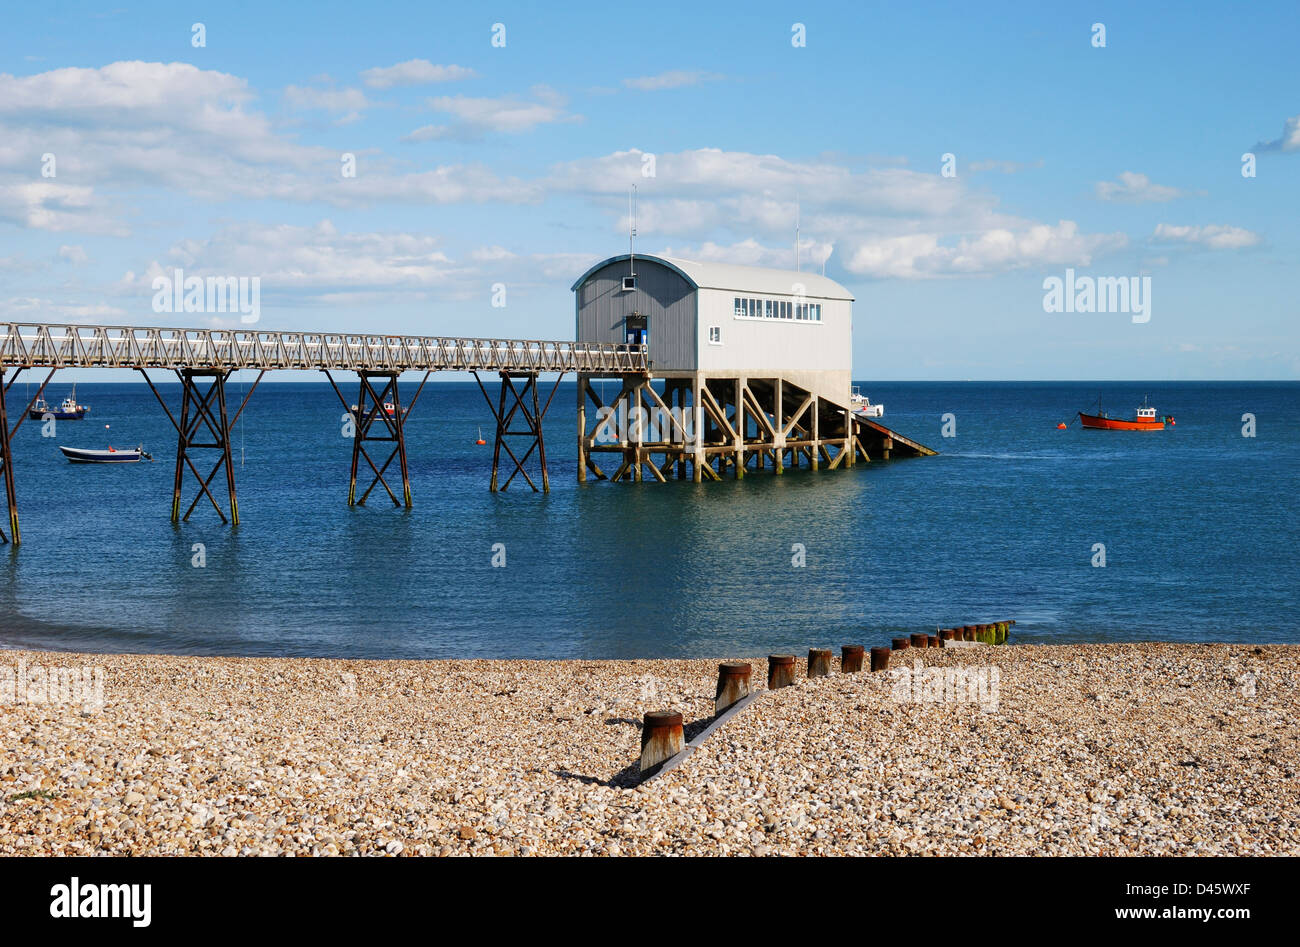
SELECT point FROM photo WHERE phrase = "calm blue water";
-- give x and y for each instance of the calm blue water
(1200, 525)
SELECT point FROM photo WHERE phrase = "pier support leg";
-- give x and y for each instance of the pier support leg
(778, 415)
(372, 405)
(7, 471)
(697, 453)
(739, 418)
(6, 449)
(582, 429)
(518, 400)
(203, 410)
(814, 454)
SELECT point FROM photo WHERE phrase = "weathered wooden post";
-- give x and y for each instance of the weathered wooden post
(819, 662)
(945, 634)
(967, 633)
(879, 659)
(733, 684)
(851, 658)
(932, 641)
(901, 643)
(780, 670)
(661, 738)
(919, 641)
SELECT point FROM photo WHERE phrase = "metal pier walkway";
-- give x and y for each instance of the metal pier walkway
(77, 346)
(203, 359)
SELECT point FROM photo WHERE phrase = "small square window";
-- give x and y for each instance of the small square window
(629, 283)
(715, 335)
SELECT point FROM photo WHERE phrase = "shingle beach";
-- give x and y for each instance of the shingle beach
(1092, 749)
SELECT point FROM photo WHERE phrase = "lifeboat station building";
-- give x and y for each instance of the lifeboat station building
(748, 367)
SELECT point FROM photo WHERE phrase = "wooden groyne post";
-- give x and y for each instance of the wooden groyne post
(662, 738)
(780, 670)
(733, 684)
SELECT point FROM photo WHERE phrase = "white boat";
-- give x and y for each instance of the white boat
(862, 405)
(70, 410)
(79, 455)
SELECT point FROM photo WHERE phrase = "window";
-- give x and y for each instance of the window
(746, 307)
(629, 283)
(715, 335)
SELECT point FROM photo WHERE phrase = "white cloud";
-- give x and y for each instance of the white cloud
(1213, 236)
(752, 253)
(413, 72)
(72, 254)
(48, 205)
(1134, 188)
(673, 79)
(130, 126)
(323, 265)
(1290, 140)
(883, 222)
(473, 117)
(917, 256)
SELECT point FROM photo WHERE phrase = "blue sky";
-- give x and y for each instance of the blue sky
(479, 164)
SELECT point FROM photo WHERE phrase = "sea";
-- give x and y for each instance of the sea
(1188, 534)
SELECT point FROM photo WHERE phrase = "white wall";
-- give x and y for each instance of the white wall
(775, 346)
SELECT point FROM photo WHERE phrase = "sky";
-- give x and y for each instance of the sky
(944, 162)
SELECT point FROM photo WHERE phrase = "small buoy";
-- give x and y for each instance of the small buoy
(480, 440)
(1061, 426)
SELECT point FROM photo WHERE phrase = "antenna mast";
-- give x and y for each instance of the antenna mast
(631, 236)
(797, 259)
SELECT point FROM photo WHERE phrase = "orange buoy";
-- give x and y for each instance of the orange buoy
(480, 440)
(1061, 426)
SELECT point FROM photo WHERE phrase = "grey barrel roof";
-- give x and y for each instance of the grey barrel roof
(734, 277)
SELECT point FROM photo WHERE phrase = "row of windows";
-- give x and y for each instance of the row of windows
(777, 309)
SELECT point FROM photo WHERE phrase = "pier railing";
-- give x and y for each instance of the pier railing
(32, 345)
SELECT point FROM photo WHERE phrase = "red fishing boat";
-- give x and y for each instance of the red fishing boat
(1144, 420)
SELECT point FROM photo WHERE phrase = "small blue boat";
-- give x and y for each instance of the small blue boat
(78, 455)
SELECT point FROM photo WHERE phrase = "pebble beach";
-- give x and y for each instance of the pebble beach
(1134, 749)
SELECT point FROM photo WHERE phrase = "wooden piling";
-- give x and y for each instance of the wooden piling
(946, 634)
(900, 643)
(661, 738)
(879, 659)
(920, 641)
(819, 662)
(851, 658)
(733, 684)
(780, 670)
(932, 641)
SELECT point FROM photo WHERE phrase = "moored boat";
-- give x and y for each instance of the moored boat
(70, 410)
(78, 455)
(390, 409)
(1144, 420)
(862, 405)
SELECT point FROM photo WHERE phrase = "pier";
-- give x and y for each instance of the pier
(700, 424)
(204, 359)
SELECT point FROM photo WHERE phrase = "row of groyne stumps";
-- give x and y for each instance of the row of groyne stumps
(663, 742)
